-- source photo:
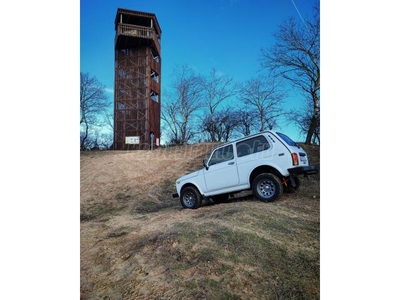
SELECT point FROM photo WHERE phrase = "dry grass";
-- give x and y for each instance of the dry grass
(137, 242)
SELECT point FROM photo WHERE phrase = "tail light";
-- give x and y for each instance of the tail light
(295, 159)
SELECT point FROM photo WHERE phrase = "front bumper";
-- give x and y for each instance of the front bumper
(306, 170)
(175, 195)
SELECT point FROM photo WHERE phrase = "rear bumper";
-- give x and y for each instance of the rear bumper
(306, 170)
(175, 195)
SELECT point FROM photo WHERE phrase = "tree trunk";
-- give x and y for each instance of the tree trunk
(311, 130)
(314, 120)
(85, 137)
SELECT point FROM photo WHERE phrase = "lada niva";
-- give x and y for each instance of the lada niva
(267, 163)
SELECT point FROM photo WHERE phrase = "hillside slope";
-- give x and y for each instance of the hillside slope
(137, 242)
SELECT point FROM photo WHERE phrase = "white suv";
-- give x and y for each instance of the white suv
(266, 163)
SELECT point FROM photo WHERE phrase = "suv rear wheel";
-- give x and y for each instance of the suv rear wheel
(267, 187)
(190, 197)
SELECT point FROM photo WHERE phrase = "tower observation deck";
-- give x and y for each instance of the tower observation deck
(137, 84)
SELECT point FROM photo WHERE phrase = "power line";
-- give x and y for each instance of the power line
(301, 18)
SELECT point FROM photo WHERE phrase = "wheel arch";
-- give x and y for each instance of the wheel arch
(263, 169)
(193, 185)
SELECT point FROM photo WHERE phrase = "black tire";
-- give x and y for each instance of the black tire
(190, 198)
(223, 198)
(289, 188)
(267, 187)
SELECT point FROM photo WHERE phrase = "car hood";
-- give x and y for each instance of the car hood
(187, 176)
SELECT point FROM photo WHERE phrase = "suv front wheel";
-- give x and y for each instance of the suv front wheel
(190, 197)
(267, 187)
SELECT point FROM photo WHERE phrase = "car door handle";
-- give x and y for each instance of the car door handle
(231, 163)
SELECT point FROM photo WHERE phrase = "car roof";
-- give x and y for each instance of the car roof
(244, 138)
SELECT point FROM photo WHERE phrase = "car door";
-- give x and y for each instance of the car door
(251, 153)
(222, 172)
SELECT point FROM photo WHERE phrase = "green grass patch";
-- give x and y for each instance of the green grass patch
(100, 211)
(149, 206)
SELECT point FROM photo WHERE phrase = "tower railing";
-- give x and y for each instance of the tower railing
(139, 32)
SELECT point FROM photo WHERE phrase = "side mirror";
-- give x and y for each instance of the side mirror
(205, 165)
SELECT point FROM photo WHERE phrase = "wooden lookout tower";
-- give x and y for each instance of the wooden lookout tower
(137, 85)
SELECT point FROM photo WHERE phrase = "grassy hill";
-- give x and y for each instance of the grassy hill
(137, 242)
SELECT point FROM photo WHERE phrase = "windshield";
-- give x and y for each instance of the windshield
(287, 139)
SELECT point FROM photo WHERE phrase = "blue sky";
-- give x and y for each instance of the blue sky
(223, 34)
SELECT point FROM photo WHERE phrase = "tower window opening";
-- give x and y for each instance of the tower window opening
(155, 56)
(154, 96)
(154, 75)
(120, 106)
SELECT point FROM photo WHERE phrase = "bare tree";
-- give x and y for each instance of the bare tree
(221, 126)
(263, 94)
(170, 117)
(98, 141)
(181, 104)
(109, 119)
(247, 120)
(93, 103)
(302, 118)
(296, 57)
(217, 88)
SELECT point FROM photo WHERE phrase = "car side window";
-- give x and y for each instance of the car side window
(222, 154)
(252, 145)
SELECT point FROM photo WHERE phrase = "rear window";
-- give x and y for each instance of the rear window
(287, 139)
(252, 145)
